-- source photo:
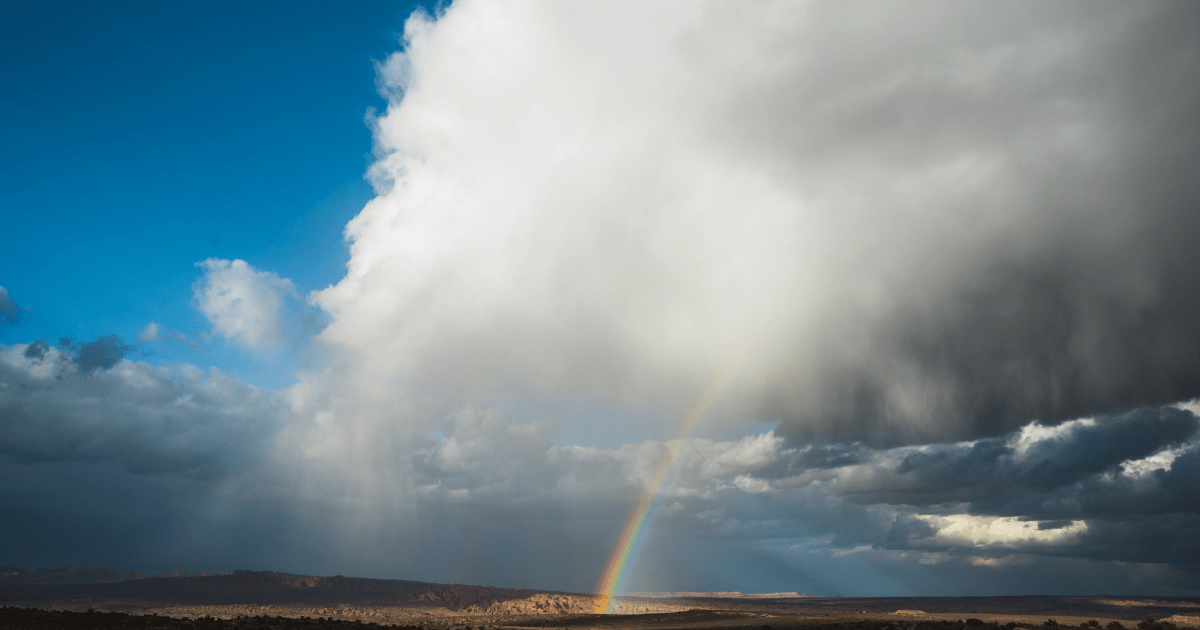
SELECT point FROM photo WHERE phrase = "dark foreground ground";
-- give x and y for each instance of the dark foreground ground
(13, 618)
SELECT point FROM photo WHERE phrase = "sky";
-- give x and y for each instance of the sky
(430, 292)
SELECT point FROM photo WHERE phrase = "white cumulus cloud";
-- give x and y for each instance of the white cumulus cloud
(150, 332)
(244, 304)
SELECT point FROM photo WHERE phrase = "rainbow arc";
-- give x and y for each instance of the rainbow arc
(618, 562)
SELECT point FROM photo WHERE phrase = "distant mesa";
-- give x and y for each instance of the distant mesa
(67, 575)
(74, 586)
(717, 595)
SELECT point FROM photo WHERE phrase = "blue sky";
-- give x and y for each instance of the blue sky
(369, 290)
(142, 138)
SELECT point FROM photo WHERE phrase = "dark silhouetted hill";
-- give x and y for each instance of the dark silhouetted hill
(247, 587)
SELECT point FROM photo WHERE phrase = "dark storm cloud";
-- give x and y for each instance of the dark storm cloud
(97, 513)
(101, 353)
(116, 464)
(1171, 539)
(1105, 496)
(906, 529)
(992, 473)
(1119, 487)
(1091, 304)
(827, 456)
(147, 420)
(37, 349)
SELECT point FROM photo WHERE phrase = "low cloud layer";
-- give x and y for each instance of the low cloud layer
(488, 498)
(98, 407)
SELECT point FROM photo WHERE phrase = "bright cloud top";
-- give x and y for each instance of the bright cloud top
(916, 235)
(967, 530)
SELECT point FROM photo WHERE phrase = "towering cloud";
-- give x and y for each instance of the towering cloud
(931, 224)
(942, 223)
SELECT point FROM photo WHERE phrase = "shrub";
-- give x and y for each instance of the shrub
(1150, 623)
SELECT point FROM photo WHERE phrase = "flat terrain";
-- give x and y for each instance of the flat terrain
(299, 599)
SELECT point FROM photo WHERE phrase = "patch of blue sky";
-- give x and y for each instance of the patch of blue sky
(141, 138)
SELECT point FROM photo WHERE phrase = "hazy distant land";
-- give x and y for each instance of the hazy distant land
(331, 599)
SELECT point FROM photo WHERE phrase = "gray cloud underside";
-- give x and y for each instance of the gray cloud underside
(204, 454)
(151, 420)
(1089, 303)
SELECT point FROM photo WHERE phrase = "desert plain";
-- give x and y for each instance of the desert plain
(288, 599)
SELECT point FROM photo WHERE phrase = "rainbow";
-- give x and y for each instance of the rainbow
(618, 562)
